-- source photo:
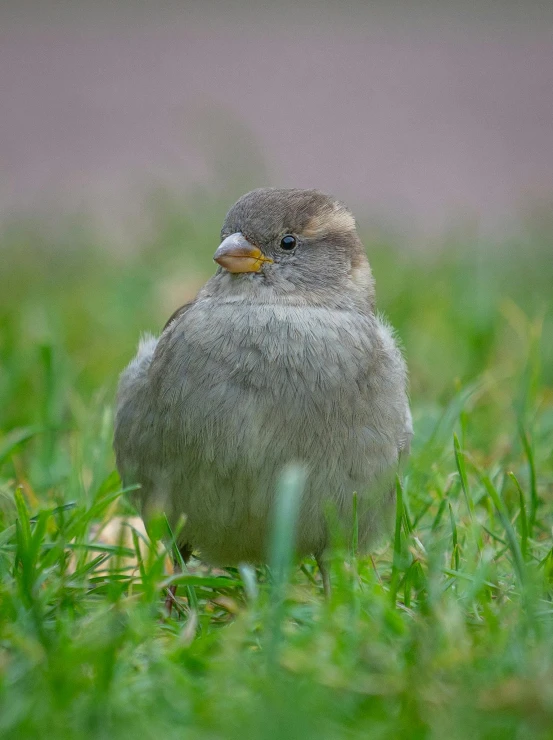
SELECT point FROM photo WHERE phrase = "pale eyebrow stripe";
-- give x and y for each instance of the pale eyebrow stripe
(339, 219)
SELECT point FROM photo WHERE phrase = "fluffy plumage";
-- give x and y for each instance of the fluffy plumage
(288, 363)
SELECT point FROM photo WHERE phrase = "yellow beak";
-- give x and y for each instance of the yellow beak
(236, 254)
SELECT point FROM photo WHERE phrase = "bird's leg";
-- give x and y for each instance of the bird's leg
(171, 591)
(185, 553)
(322, 563)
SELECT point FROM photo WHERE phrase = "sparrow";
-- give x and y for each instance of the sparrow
(281, 358)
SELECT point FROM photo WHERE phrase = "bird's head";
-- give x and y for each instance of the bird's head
(297, 244)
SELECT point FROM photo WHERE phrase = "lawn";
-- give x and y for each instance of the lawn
(446, 631)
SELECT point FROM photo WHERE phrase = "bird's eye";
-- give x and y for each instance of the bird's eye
(288, 242)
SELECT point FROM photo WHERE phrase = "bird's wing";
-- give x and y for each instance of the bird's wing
(404, 444)
(131, 409)
(135, 417)
(177, 314)
(394, 383)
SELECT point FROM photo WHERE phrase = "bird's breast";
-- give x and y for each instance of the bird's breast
(282, 351)
(261, 385)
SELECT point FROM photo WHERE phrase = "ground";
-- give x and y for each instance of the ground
(446, 631)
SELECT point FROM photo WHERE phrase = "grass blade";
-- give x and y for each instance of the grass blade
(523, 519)
(461, 469)
(286, 511)
(454, 540)
(534, 498)
(509, 531)
(397, 560)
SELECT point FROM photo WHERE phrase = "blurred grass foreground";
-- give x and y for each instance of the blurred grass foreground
(446, 632)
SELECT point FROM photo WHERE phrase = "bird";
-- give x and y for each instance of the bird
(282, 358)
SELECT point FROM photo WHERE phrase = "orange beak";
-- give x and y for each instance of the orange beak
(236, 254)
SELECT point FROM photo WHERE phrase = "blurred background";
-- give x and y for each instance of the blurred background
(421, 115)
(128, 129)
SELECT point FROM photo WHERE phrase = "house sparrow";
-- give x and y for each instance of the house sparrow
(280, 358)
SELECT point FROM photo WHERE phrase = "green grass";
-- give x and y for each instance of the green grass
(446, 632)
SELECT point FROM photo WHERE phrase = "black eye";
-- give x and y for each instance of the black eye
(288, 242)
